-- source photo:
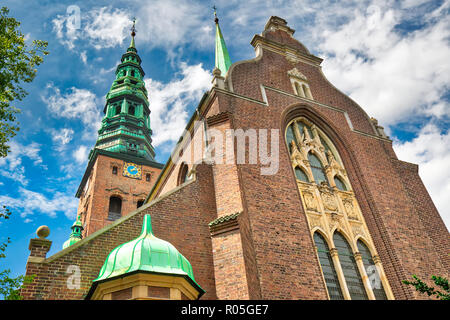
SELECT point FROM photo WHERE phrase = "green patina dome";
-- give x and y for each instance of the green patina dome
(146, 253)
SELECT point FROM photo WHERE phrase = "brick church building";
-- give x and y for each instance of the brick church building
(339, 217)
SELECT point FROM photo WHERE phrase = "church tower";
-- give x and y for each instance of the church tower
(122, 167)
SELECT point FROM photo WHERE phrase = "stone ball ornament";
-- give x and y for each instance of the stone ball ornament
(43, 232)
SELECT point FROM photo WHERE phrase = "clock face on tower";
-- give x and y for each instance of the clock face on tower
(132, 170)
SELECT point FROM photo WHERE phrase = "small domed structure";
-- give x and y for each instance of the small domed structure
(155, 263)
(75, 236)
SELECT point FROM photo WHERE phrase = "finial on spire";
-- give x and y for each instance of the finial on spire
(223, 61)
(216, 20)
(133, 33)
(133, 29)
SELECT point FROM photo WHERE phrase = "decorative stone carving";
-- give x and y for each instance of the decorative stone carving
(334, 164)
(357, 256)
(350, 209)
(379, 129)
(334, 252)
(297, 74)
(316, 139)
(329, 201)
(358, 231)
(376, 259)
(334, 221)
(310, 201)
(297, 156)
(314, 222)
(292, 59)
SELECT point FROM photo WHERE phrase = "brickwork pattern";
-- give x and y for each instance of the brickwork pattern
(94, 204)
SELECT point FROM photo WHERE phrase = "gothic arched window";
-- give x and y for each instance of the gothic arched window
(140, 203)
(328, 270)
(290, 135)
(317, 169)
(301, 175)
(350, 268)
(339, 184)
(115, 208)
(372, 272)
(131, 110)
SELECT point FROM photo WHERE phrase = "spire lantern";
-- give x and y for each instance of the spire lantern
(126, 127)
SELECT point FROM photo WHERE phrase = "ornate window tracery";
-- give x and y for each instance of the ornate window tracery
(329, 203)
(328, 270)
(350, 269)
(372, 272)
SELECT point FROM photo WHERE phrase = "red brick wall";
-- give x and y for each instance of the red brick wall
(386, 193)
(95, 203)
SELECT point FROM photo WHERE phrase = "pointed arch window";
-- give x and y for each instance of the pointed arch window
(350, 268)
(302, 127)
(328, 270)
(115, 208)
(317, 169)
(183, 175)
(290, 135)
(131, 110)
(339, 183)
(301, 175)
(372, 272)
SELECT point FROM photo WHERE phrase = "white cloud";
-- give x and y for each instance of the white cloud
(61, 137)
(30, 202)
(431, 151)
(394, 78)
(169, 102)
(103, 28)
(11, 167)
(76, 104)
(107, 27)
(163, 23)
(81, 154)
(170, 23)
(83, 56)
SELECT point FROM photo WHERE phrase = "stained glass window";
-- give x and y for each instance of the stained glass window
(317, 169)
(301, 128)
(301, 175)
(349, 268)
(339, 184)
(290, 136)
(329, 273)
(372, 272)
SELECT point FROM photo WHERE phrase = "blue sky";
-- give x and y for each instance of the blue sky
(392, 57)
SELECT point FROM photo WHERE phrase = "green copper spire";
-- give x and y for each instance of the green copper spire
(125, 128)
(223, 61)
(75, 236)
(146, 253)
